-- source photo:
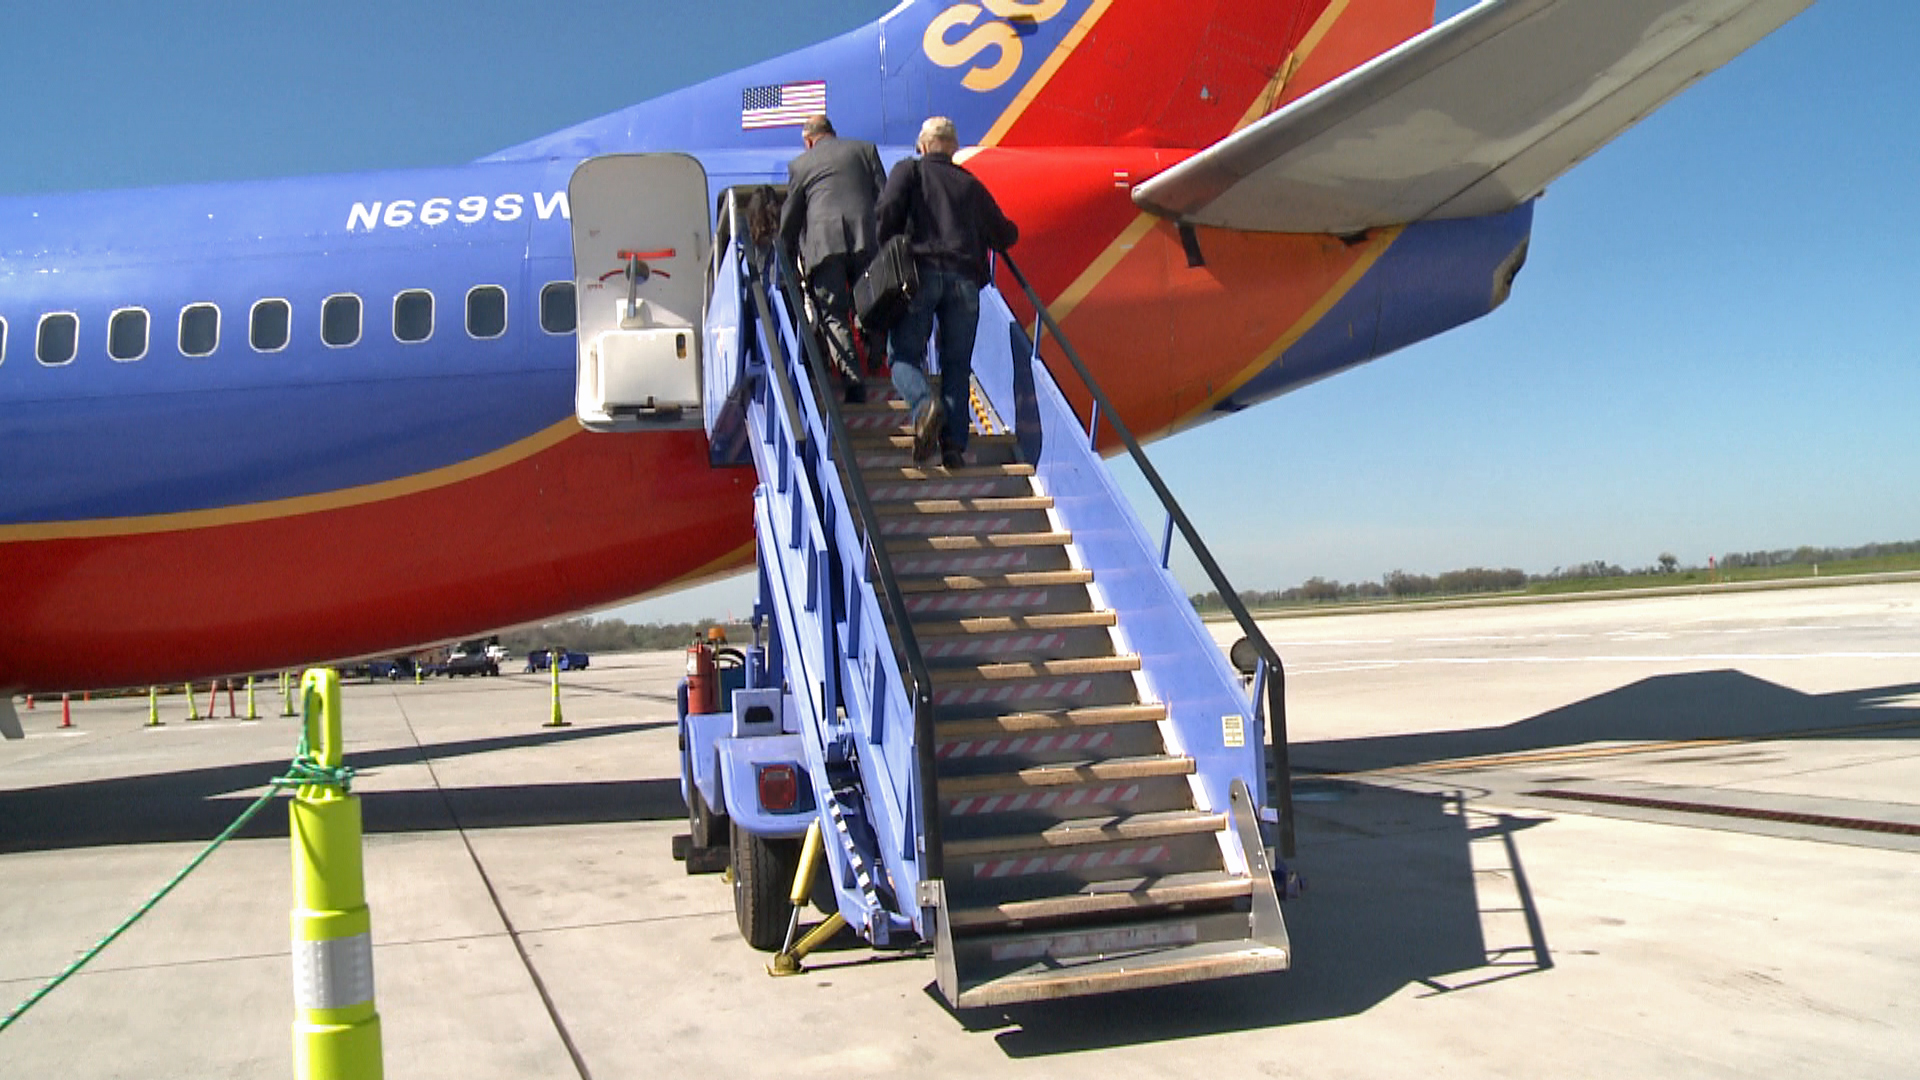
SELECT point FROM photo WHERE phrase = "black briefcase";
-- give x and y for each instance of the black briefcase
(881, 296)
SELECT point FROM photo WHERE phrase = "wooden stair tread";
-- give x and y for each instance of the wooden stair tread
(977, 504)
(1020, 579)
(1063, 720)
(1107, 897)
(1036, 669)
(1079, 833)
(1092, 772)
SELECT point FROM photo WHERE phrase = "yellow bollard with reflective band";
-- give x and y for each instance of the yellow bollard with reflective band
(336, 1032)
(553, 661)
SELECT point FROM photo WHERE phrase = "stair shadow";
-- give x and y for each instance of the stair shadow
(1394, 900)
(196, 804)
(1697, 705)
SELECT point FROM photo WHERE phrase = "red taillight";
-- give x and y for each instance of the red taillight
(779, 787)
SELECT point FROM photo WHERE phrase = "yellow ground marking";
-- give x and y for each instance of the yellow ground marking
(302, 504)
(1035, 85)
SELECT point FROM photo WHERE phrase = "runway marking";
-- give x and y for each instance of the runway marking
(1582, 753)
(1686, 658)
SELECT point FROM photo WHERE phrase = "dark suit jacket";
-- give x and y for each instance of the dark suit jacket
(831, 190)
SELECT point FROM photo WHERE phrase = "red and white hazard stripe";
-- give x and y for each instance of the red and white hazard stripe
(991, 645)
(1023, 744)
(944, 525)
(1053, 799)
(1106, 858)
(961, 564)
(976, 600)
(935, 489)
(1012, 690)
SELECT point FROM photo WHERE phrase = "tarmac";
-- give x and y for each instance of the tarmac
(1674, 836)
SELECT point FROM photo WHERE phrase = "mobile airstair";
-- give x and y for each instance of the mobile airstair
(1019, 742)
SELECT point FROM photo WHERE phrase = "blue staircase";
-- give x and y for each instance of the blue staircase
(1023, 745)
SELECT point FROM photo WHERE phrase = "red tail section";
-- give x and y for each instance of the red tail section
(1186, 73)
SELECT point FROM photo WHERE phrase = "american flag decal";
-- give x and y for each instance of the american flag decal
(786, 105)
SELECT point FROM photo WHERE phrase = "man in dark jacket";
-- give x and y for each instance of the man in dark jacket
(952, 221)
(828, 222)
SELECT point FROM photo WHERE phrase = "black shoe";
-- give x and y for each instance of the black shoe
(926, 432)
(952, 459)
(856, 393)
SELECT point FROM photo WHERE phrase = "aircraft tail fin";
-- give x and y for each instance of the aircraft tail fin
(1151, 73)
(1165, 73)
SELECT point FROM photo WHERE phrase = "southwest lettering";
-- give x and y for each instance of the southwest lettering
(993, 37)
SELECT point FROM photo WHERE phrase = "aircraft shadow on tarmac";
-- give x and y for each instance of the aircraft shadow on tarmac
(1701, 705)
(1410, 885)
(1405, 888)
(196, 804)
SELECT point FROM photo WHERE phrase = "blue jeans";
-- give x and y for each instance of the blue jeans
(953, 300)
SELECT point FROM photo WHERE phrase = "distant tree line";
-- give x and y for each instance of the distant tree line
(1401, 584)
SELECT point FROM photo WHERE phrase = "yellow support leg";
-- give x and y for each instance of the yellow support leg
(336, 1029)
(153, 707)
(787, 960)
(252, 712)
(193, 707)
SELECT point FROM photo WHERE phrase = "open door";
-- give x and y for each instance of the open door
(640, 249)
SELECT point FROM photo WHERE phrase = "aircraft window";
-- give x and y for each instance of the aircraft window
(59, 338)
(413, 315)
(340, 320)
(272, 325)
(486, 311)
(127, 334)
(199, 329)
(556, 308)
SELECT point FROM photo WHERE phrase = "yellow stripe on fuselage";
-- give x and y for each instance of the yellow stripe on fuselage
(1013, 112)
(302, 504)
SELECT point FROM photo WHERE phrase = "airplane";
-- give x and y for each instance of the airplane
(1221, 200)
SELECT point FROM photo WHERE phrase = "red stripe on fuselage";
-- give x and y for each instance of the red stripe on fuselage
(586, 523)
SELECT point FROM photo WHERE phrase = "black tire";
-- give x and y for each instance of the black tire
(708, 829)
(763, 872)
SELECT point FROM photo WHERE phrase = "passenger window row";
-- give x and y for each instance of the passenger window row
(270, 324)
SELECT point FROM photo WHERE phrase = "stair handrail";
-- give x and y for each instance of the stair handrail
(932, 858)
(1275, 683)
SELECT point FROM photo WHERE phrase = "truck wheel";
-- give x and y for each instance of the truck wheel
(707, 828)
(763, 872)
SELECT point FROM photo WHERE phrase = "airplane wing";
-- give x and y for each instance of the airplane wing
(1473, 117)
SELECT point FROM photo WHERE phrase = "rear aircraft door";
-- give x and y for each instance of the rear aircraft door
(640, 249)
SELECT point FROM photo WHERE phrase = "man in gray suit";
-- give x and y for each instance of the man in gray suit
(831, 191)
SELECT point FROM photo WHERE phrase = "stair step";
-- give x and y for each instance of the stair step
(1080, 774)
(876, 439)
(1040, 722)
(1025, 580)
(1046, 965)
(1124, 828)
(1071, 642)
(970, 505)
(1049, 538)
(889, 473)
(1035, 669)
(1006, 560)
(1107, 898)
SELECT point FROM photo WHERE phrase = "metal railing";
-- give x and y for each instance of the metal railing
(1270, 676)
(931, 856)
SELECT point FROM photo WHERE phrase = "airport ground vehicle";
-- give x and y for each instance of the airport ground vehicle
(470, 664)
(980, 686)
(541, 660)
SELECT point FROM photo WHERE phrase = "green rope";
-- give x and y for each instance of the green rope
(304, 771)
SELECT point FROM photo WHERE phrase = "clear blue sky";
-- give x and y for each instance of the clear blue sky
(1711, 347)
